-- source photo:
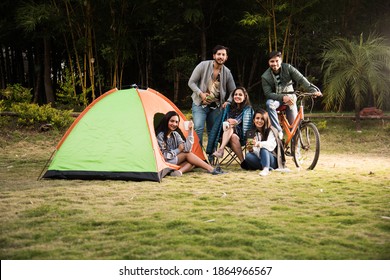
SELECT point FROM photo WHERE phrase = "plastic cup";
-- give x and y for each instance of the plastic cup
(186, 125)
(225, 125)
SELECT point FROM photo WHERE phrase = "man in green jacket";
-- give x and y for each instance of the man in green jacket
(277, 82)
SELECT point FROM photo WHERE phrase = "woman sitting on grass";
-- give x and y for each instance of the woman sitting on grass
(264, 146)
(177, 151)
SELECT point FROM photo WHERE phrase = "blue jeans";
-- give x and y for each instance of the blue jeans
(202, 115)
(272, 105)
(267, 159)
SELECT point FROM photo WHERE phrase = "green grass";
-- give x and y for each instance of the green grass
(338, 211)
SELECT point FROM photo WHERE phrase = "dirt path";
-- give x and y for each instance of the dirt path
(355, 161)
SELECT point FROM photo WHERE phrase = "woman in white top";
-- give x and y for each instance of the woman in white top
(265, 148)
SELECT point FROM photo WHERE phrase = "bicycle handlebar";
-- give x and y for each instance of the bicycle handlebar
(305, 94)
(302, 95)
(315, 94)
(311, 94)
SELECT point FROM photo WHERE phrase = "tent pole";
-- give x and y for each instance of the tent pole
(47, 163)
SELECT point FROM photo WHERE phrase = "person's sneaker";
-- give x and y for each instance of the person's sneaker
(285, 170)
(217, 171)
(264, 172)
(280, 134)
(176, 173)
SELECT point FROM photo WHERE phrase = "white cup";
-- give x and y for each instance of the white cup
(225, 125)
(186, 125)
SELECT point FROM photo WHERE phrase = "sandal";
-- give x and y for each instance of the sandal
(218, 154)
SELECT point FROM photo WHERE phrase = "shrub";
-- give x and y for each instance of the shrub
(322, 125)
(16, 93)
(386, 127)
(66, 96)
(31, 115)
(17, 99)
(2, 106)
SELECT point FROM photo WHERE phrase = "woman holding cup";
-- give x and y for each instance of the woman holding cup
(233, 129)
(264, 146)
(175, 149)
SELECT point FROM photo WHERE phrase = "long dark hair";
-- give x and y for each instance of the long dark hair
(267, 122)
(163, 125)
(247, 102)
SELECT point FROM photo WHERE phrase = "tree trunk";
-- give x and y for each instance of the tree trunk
(140, 66)
(148, 61)
(176, 84)
(274, 27)
(203, 43)
(91, 59)
(2, 71)
(70, 66)
(357, 119)
(253, 72)
(31, 68)
(121, 74)
(37, 87)
(286, 40)
(37, 75)
(8, 72)
(76, 55)
(47, 71)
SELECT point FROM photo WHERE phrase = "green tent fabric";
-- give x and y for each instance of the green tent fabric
(114, 138)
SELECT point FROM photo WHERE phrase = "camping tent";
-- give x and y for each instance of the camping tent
(114, 138)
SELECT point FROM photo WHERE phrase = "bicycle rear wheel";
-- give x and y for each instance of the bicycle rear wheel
(306, 146)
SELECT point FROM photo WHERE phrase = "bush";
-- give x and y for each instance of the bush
(3, 107)
(386, 127)
(31, 115)
(66, 96)
(322, 125)
(17, 99)
(15, 93)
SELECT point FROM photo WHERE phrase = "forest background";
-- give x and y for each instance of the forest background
(69, 52)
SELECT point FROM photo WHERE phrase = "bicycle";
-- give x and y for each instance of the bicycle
(303, 139)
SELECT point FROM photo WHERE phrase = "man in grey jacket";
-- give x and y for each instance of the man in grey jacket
(277, 82)
(211, 83)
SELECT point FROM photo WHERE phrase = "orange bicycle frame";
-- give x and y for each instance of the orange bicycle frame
(290, 129)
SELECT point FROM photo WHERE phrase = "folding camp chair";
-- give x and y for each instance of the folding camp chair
(230, 156)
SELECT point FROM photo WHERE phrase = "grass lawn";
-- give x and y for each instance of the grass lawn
(340, 210)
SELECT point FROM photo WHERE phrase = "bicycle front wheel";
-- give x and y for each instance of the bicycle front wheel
(306, 146)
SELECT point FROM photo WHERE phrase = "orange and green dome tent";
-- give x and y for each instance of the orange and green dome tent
(114, 139)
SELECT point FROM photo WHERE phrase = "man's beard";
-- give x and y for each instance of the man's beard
(276, 71)
(219, 63)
